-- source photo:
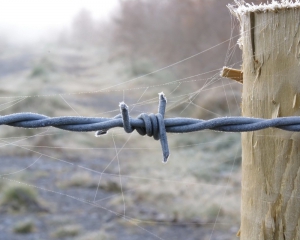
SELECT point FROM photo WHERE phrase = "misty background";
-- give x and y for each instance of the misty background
(63, 58)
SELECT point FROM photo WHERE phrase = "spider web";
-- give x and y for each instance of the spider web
(118, 180)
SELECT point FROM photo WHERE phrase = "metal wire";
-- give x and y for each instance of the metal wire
(149, 124)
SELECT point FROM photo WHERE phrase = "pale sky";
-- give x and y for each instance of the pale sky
(31, 19)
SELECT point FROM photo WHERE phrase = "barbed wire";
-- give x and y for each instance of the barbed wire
(152, 125)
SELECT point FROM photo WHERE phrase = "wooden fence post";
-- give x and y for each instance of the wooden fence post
(270, 40)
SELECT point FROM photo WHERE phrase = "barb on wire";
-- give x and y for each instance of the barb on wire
(149, 124)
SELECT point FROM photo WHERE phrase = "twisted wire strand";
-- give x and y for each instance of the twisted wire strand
(149, 124)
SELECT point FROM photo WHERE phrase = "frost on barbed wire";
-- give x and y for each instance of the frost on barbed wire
(152, 125)
(241, 7)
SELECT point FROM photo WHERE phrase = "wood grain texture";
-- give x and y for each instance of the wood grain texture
(271, 160)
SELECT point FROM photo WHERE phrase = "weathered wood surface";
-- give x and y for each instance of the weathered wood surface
(271, 158)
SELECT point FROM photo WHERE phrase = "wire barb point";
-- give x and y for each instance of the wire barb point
(166, 158)
(100, 133)
(123, 105)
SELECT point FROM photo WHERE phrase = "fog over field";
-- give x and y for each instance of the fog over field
(26, 21)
